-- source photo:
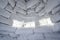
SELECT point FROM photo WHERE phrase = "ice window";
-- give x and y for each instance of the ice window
(30, 25)
(46, 21)
(18, 24)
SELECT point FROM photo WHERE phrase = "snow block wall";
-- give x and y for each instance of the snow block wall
(28, 11)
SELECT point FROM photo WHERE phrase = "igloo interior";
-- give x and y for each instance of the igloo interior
(29, 20)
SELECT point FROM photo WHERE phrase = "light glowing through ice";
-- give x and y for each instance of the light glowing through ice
(30, 25)
(46, 22)
(42, 22)
(18, 24)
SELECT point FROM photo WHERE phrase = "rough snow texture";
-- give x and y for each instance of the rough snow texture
(27, 11)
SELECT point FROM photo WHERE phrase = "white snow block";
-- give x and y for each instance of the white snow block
(22, 38)
(35, 37)
(42, 12)
(21, 4)
(12, 2)
(5, 37)
(50, 5)
(4, 13)
(3, 3)
(32, 14)
(21, 17)
(52, 35)
(55, 18)
(52, 39)
(30, 11)
(56, 27)
(45, 1)
(6, 29)
(16, 17)
(5, 21)
(32, 3)
(24, 31)
(3, 25)
(39, 8)
(9, 8)
(43, 30)
(21, 11)
(13, 35)
(56, 10)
